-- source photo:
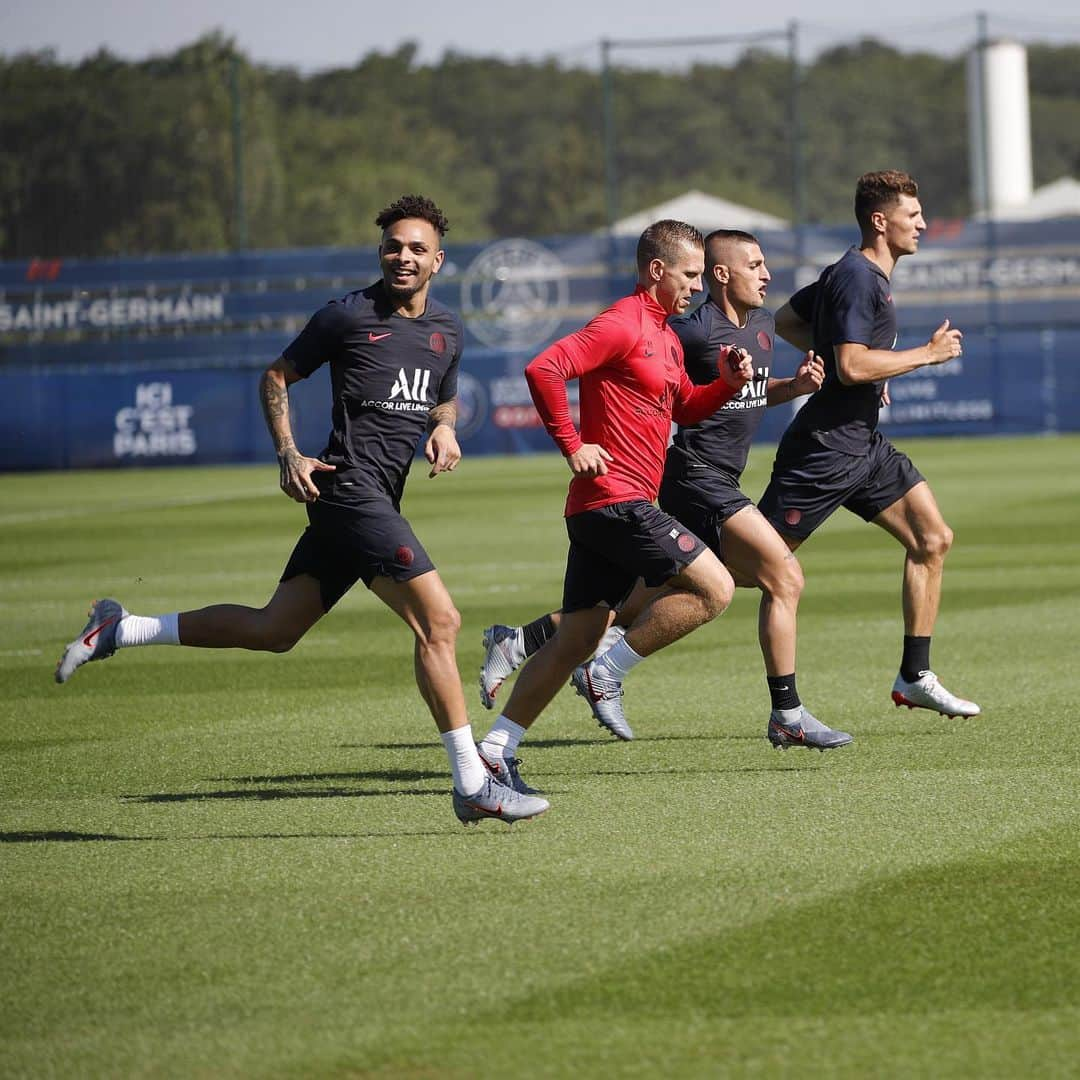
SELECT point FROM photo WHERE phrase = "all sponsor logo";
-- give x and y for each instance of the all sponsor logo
(417, 390)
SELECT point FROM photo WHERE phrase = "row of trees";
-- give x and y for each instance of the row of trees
(110, 156)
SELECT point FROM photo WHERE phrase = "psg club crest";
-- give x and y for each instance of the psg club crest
(514, 294)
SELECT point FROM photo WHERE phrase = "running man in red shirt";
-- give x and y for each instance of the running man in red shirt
(632, 385)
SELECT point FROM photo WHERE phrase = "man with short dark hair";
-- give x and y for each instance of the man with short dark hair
(632, 383)
(393, 353)
(833, 454)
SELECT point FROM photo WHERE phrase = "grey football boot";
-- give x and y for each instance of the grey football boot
(495, 800)
(807, 731)
(504, 653)
(927, 693)
(505, 770)
(97, 640)
(604, 695)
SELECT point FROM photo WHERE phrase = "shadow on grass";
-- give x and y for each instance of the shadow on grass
(299, 778)
(268, 794)
(697, 772)
(555, 743)
(54, 837)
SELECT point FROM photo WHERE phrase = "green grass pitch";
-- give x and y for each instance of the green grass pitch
(224, 864)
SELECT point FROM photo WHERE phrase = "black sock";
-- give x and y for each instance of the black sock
(916, 657)
(782, 691)
(537, 632)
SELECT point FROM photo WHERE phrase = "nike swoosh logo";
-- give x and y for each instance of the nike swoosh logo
(798, 736)
(593, 695)
(88, 641)
(497, 812)
(378, 337)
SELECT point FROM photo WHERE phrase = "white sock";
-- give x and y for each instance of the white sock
(503, 738)
(619, 659)
(613, 634)
(148, 630)
(465, 763)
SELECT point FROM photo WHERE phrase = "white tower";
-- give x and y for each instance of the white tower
(999, 127)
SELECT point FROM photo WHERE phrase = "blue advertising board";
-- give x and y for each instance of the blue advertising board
(114, 362)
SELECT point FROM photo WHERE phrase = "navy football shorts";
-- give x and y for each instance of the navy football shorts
(810, 481)
(343, 544)
(702, 500)
(610, 548)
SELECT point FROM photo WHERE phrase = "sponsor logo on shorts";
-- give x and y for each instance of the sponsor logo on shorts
(793, 517)
(404, 555)
(686, 542)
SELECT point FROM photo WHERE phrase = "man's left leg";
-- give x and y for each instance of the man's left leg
(915, 520)
(756, 554)
(425, 605)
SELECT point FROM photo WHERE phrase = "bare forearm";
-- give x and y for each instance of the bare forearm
(780, 391)
(874, 365)
(446, 413)
(274, 398)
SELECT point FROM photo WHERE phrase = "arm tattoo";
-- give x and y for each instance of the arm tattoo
(274, 397)
(446, 413)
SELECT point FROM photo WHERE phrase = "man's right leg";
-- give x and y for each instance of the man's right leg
(424, 605)
(693, 597)
(293, 609)
(291, 612)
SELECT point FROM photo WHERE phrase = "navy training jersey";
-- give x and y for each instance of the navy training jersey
(850, 303)
(723, 440)
(387, 372)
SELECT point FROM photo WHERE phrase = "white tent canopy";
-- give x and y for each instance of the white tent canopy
(1056, 200)
(706, 212)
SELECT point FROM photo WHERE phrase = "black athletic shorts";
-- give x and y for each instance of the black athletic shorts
(612, 547)
(345, 543)
(702, 499)
(809, 481)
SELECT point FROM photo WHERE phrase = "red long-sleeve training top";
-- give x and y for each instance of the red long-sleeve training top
(633, 383)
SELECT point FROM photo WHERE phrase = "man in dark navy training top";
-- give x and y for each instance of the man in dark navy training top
(632, 384)
(701, 489)
(833, 454)
(393, 353)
